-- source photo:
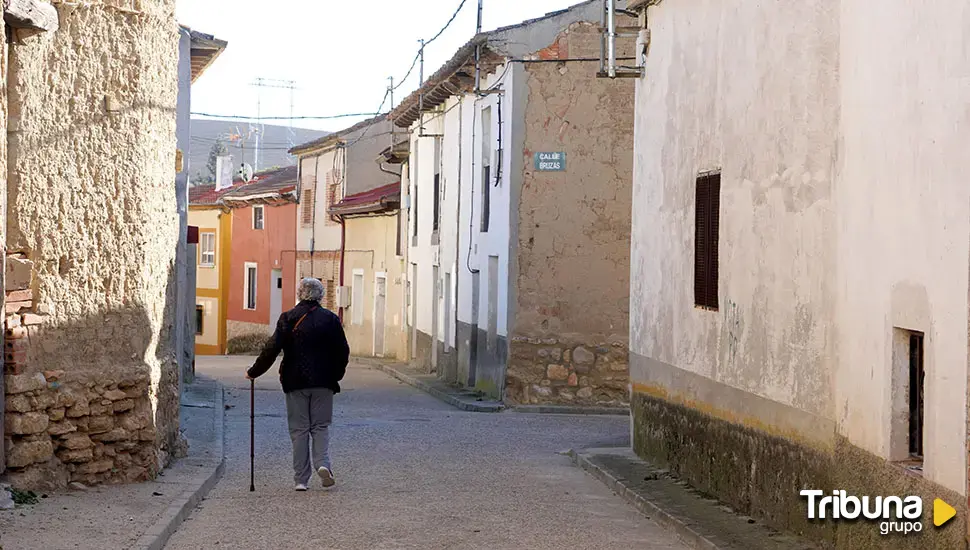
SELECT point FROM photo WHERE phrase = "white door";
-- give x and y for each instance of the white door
(275, 298)
(380, 301)
(434, 319)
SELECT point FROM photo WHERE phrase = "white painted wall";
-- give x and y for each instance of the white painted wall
(840, 131)
(904, 218)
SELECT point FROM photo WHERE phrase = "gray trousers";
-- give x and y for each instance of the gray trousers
(309, 413)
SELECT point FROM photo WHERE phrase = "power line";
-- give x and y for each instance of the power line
(427, 42)
(328, 117)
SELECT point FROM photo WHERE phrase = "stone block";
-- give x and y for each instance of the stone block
(23, 454)
(76, 455)
(146, 435)
(98, 409)
(26, 423)
(69, 397)
(582, 356)
(95, 467)
(585, 393)
(18, 273)
(16, 333)
(23, 383)
(18, 403)
(135, 420)
(61, 428)
(41, 401)
(12, 321)
(117, 434)
(56, 415)
(123, 405)
(619, 367)
(48, 476)
(115, 395)
(79, 409)
(541, 391)
(76, 441)
(100, 424)
(573, 380)
(557, 372)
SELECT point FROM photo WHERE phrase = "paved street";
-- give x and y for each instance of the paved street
(413, 472)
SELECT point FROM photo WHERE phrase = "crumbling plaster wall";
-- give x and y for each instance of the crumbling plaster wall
(573, 250)
(92, 206)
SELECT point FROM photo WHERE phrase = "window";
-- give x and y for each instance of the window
(199, 317)
(306, 212)
(706, 229)
(257, 217)
(249, 289)
(486, 167)
(437, 184)
(414, 209)
(207, 249)
(357, 298)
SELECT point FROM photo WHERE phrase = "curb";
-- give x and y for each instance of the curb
(158, 534)
(567, 409)
(645, 506)
(449, 399)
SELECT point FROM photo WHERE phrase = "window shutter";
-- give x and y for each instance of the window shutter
(706, 228)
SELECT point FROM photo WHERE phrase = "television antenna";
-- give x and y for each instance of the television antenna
(259, 84)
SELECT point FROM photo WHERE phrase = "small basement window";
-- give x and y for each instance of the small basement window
(199, 318)
(706, 230)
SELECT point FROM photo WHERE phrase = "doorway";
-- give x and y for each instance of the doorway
(380, 300)
(275, 298)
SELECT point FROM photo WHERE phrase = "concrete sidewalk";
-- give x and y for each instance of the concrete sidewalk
(137, 516)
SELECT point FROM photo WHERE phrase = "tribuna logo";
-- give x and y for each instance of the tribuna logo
(896, 514)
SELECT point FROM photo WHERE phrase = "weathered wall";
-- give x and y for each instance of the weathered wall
(572, 245)
(92, 204)
(371, 248)
(747, 388)
(904, 219)
(838, 224)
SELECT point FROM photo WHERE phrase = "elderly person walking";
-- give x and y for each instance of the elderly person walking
(315, 355)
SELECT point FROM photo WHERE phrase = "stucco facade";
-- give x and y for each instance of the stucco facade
(270, 251)
(371, 260)
(839, 231)
(214, 223)
(91, 210)
(521, 290)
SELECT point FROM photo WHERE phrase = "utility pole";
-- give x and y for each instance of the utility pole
(261, 83)
(478, 51)
(421, 94)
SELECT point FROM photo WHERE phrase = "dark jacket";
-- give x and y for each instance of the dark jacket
(315, 354)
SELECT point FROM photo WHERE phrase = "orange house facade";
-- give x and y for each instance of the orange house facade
(262, 265)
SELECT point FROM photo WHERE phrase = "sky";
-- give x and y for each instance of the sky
(339, 53)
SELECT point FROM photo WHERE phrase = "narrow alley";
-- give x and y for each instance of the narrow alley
(413, 472)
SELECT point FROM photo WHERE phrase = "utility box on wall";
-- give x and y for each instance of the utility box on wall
(343, 296)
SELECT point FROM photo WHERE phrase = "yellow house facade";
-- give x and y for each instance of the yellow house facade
(214, 223)
(374, 264)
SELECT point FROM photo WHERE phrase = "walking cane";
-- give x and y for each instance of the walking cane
(252, 435)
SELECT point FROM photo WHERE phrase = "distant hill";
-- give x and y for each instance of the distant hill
(276, 140)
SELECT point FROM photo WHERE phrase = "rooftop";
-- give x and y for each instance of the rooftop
(266, 185)
(380, 199)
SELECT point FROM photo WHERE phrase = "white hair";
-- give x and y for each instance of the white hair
(311, 290)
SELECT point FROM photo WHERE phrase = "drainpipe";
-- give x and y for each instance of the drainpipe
(343, 248)
(611, 38)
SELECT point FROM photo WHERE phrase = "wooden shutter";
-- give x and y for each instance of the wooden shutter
(706, 229)
(307, 212)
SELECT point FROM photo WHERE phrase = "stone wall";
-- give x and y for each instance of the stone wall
(572, 266)
(568, 371)
(91, 207)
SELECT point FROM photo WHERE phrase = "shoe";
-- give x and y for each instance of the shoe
(326, 475)
(301, 487)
